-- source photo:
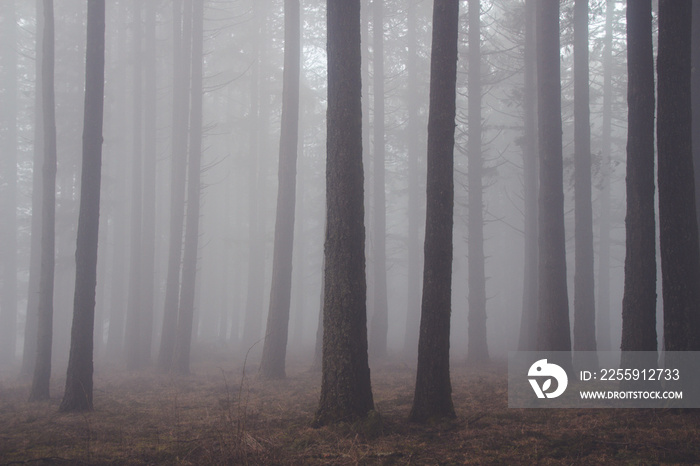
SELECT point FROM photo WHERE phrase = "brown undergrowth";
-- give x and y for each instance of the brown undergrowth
(218, 417)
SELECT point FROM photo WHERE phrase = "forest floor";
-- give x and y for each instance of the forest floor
(215, 417)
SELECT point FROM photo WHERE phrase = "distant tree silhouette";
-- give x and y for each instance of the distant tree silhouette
(275, 347)
(553, 317)
(78, 394)
(42, 365)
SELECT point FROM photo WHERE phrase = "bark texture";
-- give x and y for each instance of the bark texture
(346, 391)
(639, 299)
(680, 264)
(433, 393)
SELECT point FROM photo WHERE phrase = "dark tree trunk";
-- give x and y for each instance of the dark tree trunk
(678, 223)
(42, 365)
(433, 394)
(182, 37)
(413, 287)
(528, 319)
(134, 317)
(275, 348)
(553, 333)
(639, 298)
(78, 394)
(379, 325)
(183, 343)
(603, 305)
(8, 195)
(30, 328)
(478, 351)
(695, 95)
(584, 292)
(346, 392)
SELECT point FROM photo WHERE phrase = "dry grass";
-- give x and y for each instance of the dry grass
(215, 418)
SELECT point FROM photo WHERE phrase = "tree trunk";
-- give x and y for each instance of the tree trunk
(477, 351)
(584, 291)
(413, 287)
(256, 236)
(553, 318)
(8, 301)
(603, 305)
(134, 317)
(117, 311)
(346, 391)
(639, 298)
(150, 154)
(183, 343)
(317, 364)
(275, 348)
(182, 37)
(42, 365)
(528, 320)
(695, 95)
(33, 291)
(380, 318)
(678, 224)
(78, 394)
(433, 394)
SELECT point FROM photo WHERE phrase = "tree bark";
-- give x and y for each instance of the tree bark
(639, 298)
(695, 96)
(275, 348)
(346, 392)
(78, 394)
(680, 266)
(433, 393)
(42, 365)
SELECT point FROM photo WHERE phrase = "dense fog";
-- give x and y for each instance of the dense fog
(242, 105)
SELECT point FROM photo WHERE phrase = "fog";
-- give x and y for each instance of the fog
(242, 106)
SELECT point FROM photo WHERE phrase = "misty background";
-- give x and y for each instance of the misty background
(242, 101)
